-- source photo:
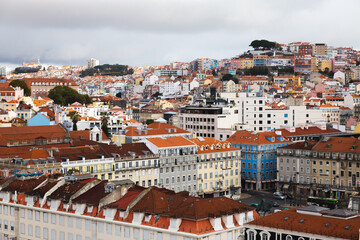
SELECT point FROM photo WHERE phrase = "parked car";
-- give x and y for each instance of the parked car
(289, 196)
(276, 204)
(279, 195)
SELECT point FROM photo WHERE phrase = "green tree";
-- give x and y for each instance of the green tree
(118, 94)
(108, 69)
(156, 95)
(26, 70)
(256, 71)
(264, 44)
(21, 84)
(64, 95)
(214, 73)
(227, 77)
(75, 117)
(104, 122)
(149, 121)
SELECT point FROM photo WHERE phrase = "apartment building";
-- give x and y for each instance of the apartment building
(258, 157)
(9, 93)
(244, 111)
(215, 121)
(70, 207)
(328, 167)
(330, 113)
(319, 49)
(218, 168)
(170, 72)
(305, 48)
(42, 86)
(255, 112)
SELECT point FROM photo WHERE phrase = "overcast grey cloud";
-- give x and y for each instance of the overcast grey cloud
(160, 31)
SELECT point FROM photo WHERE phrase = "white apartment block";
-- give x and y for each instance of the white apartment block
(244, 111)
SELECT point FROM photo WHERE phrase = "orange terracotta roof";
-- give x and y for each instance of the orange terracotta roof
(307, 130)
(207, 145)
(290, 220)
(250, 137)
(170, 142)
(155, 128)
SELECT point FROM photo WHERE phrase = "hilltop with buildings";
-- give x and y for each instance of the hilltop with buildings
(166, 151)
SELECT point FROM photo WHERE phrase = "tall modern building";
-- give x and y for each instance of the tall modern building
(4, 70)
(92, 62)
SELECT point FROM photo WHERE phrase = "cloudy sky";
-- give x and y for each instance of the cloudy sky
(158, 32)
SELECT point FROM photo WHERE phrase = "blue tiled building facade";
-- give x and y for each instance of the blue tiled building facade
(258, 158)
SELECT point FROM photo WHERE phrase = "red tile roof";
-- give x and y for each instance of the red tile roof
(290, 220)
(250, 137)
(170, 142)
(307, 130)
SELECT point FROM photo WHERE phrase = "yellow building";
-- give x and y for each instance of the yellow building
(246, 63)
(218, 167)
(11, 105)
(325, 64)
(314, 64)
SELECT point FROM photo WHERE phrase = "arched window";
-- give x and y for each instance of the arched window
(251, 234)
(288, 237)
(265, 235)
(97, 137)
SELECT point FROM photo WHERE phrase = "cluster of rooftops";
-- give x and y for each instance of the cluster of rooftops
(125, 202)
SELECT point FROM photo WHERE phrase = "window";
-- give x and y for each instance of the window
(70, 236)
(22, 228)
(87, 224)
(78, 223)
(136, 233)
(100, 227)
(108, 228)
(61, 220)
(127, 232)
(30, 230)
(288, 237)
(37, 231)
(53, 218)
(250, 235)
(45, 217)
(70, 222)
(30, 213)
(22, 213)
(159, 236)
(53, 234)
(46, 233)
(78, 237)
(117, 230)
(62, 235)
